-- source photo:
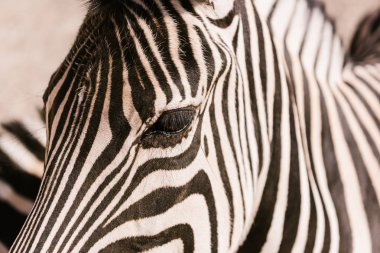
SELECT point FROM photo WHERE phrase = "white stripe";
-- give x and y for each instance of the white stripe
(336, 62)
(174, 43)
(228, 155)
(321, 72)
(36, 128)
(65, 171)
(172, 246)
(262, 178)
(156, 52)
(303, 225)
(102, 139)
(161, 100)
(294, 39)
(22, 157)
(363, 72)
(369, 159)
(159, 179)
(251, 142)
(182, 213)
(362, 89)
(361, 240)
(307, 58)
(363, 114)
(274, 237)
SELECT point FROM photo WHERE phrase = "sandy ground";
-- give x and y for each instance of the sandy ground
(35, 35)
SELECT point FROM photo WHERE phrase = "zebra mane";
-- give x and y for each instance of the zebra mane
(112, 5)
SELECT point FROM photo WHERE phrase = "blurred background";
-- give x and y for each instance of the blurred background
(35, 36)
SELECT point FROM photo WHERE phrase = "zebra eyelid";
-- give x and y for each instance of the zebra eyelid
(183, 117)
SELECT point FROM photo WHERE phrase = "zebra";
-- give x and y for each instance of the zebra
(22, 151)
(211, 126)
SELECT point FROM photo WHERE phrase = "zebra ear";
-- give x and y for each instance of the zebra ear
(216, 9)
(110, 5)
(210, 3)
(365, 45)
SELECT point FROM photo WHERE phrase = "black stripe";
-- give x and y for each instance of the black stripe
(185, 50)
(226, 21)
(160, 201)
(293, 209)
(368, 193)
(244, 166)
(79, 122)
(369, 139)
(377, 78)
(262, 60)
(364, 101)
(73, 79)
(366, 84)
(120, 129)
(26, 138)
(222, 164)
(252, 92)
(327, 234)
(259, 231)
(161, 32)
(143, 93)
(226, 114)
(83, 40)
(183, 232)
(208, 57)
(367, 80)
(11, 223)
(312, 229)
(173, 163)
(147, 47)
(313, 215)
(21, 181)
(334, 181)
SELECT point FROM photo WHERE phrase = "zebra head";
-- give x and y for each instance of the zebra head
(153, 131)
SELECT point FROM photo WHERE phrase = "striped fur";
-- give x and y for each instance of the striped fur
(21, 165)
(281, 155)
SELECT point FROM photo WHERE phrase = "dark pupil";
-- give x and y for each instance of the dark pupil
(173, 122)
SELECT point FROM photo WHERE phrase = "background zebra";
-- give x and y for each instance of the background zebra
(272, 131)
(22, 150)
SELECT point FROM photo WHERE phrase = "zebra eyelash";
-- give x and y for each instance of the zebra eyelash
(169, 129)
(173, 122)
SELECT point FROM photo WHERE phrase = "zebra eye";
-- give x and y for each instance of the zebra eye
(169, 129)
(173, 122)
